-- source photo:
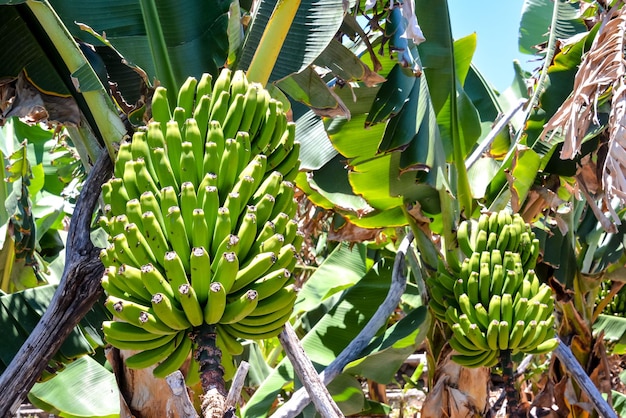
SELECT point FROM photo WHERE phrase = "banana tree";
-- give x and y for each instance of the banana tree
(163, 69)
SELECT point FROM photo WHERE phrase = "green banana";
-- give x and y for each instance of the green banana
(168, 313)
(140, 345)
(175, 271)
(270, 185)
(149, 358)
(136, 314)
(149, 203)
(463, 238)
(191, 306)
(264, 331)
(228, 162)
(133, 211)
(175, 360)
(482, 315)
(492, 335)
(124, 154)
(214, 309)
(188, 203)
(205, 86)
(246, 234)
(188, 165)
(481, 360)
(178, 235)
(186, 96)
(154, 281)
(234, 205)
(192, 135)
(201, 114)
(284, 297)
(473, 333)
(228, 244)
(199, 229)
(139, 245)
(174, 142)
(124, 331)
(233, 115)
(228, 342)
(506, 308)
(122, 251)
(503, 335)
(545, 347)
(269, 284)
(239, 308)
(263, 320)
(210, 206)
(238, 83)
(222, 228)
(252, 270)
(226, 270)
(495, 308)
(160, 106)
(200, 266)
(517, 332)
(154, 236)
(144, 181)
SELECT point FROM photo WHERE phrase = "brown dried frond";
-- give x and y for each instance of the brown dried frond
(601, 72)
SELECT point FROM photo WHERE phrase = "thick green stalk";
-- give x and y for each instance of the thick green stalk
(272, 41)
(102, 108)
(160, 56)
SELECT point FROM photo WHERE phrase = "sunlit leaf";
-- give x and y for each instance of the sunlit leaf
(523, 172)
(83, 389)
(329, 336)
(392, 348)
(537, 19)
(314, 26)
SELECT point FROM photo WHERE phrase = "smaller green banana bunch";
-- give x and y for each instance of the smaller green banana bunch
(617, 305)
(496, 301)
(200, 216)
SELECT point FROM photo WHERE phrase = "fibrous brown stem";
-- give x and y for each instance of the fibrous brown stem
(209, 359)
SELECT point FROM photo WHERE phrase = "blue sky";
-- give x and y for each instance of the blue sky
(496, 24)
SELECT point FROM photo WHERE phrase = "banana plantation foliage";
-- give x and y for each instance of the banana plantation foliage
(289, 208)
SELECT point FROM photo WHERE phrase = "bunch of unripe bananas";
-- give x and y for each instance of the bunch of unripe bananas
(200, 216)
(495, 301)
(617, 305)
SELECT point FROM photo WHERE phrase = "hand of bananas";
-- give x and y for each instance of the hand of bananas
(495, 302)
(200, 220)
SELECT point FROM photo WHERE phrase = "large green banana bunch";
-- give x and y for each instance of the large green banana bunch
(200, 220)
(495, 302)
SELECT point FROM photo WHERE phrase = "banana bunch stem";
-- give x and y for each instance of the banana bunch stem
(508, 377)
(209, 358)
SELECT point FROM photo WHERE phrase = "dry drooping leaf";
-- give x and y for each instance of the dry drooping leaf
(601, 73)
(459, 392)
(22, 99)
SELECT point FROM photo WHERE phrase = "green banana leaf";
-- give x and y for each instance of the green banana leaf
(392, 348)
(329, 336)
(614, 329)
(20, 312)
(84, 389)
(22, 51)
(195, 32)
(337, 328)
(536, 22)
(314, 26)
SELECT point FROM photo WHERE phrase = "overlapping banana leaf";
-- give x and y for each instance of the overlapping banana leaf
(347, 312)
(20, 312)
(85, 380)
